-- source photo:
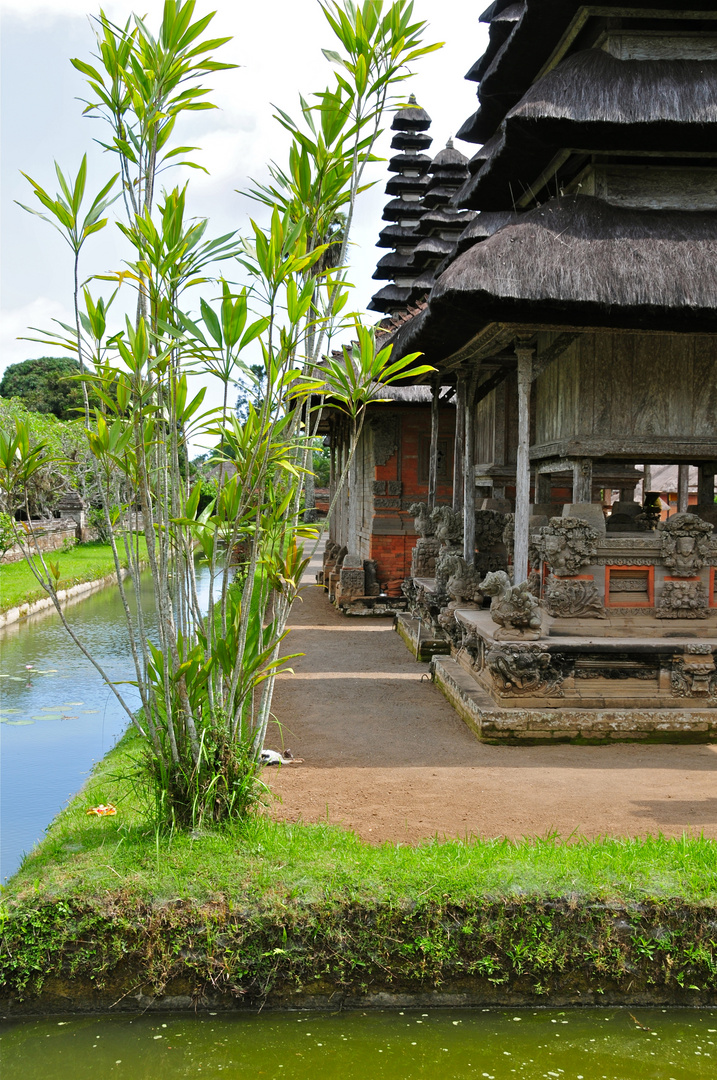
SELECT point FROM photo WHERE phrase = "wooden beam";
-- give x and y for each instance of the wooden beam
(469, 476)
(706, 484)
(583, 481)
(458, 441)
(683, 488)
(433, 452)
(524, 354)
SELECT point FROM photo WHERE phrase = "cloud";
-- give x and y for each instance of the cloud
(15, 323)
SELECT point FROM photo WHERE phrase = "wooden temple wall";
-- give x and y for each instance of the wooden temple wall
(627, 394)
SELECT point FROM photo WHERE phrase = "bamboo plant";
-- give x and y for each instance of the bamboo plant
(206, 677)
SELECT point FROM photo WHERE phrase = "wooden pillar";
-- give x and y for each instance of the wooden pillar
(646, 480)
(706, 484)
(683, 488)
(543, 488)
(433, 453)
(522, 466)
(458, 442)
(469, 475)
(583, 481)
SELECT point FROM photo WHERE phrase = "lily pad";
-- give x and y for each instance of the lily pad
(87, 712)
(8, 712)
(16, 678)
(17, 723)
(47, 716)
(47, 671)
(71, 704)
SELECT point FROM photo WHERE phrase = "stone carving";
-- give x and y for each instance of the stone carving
(385, 437)
(395, 487)
(423, 522)
(379, 487)
(372, 586)
(424, 556)
(523, 670)
(448, 526)
(462, 586)
(425, 553)
(683, 600)
(471, 644)
(515, 610)
(566, 545)
(690, 679)
(685, 544)
(567, 598)
(490, 526)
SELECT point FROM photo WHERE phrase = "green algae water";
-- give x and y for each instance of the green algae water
(489, 1044)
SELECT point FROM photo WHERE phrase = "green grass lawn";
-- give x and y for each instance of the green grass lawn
(264, 861)
(260, 909)
(83, 562)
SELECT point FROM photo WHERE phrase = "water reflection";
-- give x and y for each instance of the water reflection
(58, 717)
(488, 1044)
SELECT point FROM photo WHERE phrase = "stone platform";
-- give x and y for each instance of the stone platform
(526, 725)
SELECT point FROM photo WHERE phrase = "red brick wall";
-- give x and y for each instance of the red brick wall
(393, 536)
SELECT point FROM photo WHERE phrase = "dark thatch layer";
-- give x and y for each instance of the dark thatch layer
(501, 27)
(594, 86)
(597, 102)
(439, 196)
(486, 152)
(392, 265)
(411, 140)
(444, 218)
(481, 227)
(448, 160)
(400, 183)
(415, 162)
(577, 261)
(394, 236)
(517, 63)
(432, 248)
(390, 298)
(399, 209)
(412, 118)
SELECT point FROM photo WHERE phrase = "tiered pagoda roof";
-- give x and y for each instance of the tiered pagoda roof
(596, 184)
(408, 186)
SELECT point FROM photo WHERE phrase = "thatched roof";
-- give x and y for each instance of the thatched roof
(398, 209)
(502, 24)
(448, 160)
(597, 102)
(409, 162)
(411, 140)
(411, 118)
(530, 44)
(481, 227)
(394, 236)
(390, 298)
(391, 266)
(397, 184)
(576, 261)
(430, 249)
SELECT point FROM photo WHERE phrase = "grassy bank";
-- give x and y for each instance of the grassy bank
(83, 562)
(111, 907)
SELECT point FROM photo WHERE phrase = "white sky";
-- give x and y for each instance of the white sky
(278, 45)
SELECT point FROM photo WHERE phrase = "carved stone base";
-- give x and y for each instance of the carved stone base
(507, 633)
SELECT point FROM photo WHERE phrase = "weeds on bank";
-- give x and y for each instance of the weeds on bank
(266, 863)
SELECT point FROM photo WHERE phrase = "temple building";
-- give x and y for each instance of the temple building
(572, 323)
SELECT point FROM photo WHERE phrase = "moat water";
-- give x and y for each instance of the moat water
(57, 717)
(585, 1044)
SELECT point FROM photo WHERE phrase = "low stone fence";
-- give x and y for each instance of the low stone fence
(49, 536)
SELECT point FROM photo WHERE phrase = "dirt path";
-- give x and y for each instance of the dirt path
(387, 756)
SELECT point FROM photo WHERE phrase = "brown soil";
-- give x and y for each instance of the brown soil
(386, 755)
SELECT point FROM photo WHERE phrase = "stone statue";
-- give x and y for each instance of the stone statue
(449, 526)
(522, 670)
(566, 545)
(685, 544)
(423, 523)
(513, 607)
(570, 599)
(489, 528)
(462, 587)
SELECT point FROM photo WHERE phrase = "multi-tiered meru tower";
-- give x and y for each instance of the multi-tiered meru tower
(577, 317)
